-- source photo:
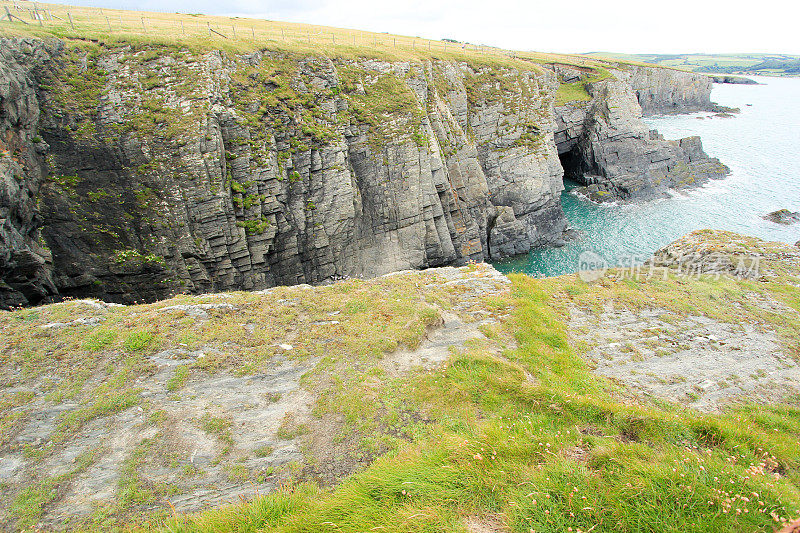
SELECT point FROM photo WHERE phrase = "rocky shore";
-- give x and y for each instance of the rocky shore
(738, 80)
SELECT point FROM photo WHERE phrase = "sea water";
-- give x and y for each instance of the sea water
(761, 145)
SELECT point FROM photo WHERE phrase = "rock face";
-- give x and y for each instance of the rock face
(25, 262)
(738, 80)
(783, 216)
(606, 147)
(131, 174)
(664, 91)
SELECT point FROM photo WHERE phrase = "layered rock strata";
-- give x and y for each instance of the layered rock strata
(130, 174)
(605, 146)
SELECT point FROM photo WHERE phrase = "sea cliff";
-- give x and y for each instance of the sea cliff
(133, 172)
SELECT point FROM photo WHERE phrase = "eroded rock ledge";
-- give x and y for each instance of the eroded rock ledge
(604, 145)
(132, 174)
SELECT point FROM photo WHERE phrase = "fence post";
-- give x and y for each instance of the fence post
(253, 29)
(69, 16)
(109, 23)
(333, 37)
(233, 27)
(183, 30)
(8, 13)
(144, 27)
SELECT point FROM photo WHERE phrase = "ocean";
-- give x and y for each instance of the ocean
(761, 145)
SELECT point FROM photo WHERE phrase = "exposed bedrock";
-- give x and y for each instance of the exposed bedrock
(736, 80)
(131, 174)
(665, 91)
(605, 146)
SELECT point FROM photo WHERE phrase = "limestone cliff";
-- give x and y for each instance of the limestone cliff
(663, 91)
(605, 145)
(134, 173)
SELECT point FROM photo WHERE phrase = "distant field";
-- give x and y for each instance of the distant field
(767, 64)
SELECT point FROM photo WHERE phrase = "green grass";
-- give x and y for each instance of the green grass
(513, 428)
(179, 378)
(556, 451)
(138, 341)
(29, 504)
(769, 64)
(577, 91)
(190, 32)
(217, 426)
(571, 92)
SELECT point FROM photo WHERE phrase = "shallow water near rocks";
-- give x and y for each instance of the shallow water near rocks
(761, 145)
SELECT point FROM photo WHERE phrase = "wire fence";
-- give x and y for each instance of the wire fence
(63, 20)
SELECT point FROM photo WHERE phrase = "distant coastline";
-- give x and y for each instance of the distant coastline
(776, 65)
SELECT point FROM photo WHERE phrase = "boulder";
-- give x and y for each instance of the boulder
(783, 216)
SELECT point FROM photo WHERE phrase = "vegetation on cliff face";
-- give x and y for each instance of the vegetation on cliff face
(277, 156)
(576, 91)
(512, 430)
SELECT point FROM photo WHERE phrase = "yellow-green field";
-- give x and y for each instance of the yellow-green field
(236, 34)
(767, 64)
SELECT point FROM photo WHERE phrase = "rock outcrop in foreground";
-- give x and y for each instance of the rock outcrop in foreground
(130, 174)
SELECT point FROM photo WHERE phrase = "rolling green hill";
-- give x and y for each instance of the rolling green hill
(753, 64)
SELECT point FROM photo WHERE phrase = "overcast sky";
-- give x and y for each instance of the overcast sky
(634, 26)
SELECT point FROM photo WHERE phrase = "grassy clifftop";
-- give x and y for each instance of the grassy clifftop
(453, 400)
(199, 32)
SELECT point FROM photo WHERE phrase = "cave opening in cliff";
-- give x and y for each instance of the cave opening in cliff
(573, 168)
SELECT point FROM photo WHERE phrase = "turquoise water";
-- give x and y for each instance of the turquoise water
(761, 146)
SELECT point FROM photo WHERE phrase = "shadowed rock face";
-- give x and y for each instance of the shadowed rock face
(131, 175)
(25, 263)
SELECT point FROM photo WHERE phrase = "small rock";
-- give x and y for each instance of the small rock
(285, 347)
(54, 325)
(783, 216)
